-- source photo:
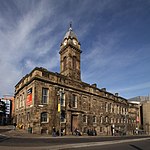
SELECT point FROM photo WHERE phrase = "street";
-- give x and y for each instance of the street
(75, 142)
(139, 145)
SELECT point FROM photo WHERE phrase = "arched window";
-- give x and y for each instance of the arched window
(44, 117)
(106, 119)
(74, 62)
(65, 63)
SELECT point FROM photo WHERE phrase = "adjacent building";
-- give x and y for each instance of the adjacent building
(144, 112)
(2, 112)
(45, 99)
(5, 111)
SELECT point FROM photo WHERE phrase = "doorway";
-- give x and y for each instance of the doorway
(74, 122)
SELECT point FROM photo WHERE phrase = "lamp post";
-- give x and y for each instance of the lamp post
(126, 113)
(60, 93)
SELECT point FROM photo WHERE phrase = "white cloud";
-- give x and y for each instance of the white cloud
(136, 87)
(19, 42)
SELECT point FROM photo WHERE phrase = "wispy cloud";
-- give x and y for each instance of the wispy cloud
(135, 87)
(21, 46)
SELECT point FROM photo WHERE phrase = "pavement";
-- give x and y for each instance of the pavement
(9, 131)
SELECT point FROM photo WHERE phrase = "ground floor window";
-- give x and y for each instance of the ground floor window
(85, 119)
(63, 116)
(101, 129)
(44, 117)
(94, 119)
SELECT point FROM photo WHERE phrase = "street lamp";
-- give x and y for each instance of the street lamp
(126, 113)
(60, 93)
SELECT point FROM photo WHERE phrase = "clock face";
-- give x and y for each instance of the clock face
(74, 42)
(65, 42)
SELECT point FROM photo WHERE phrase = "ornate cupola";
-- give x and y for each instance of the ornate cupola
(70, 55)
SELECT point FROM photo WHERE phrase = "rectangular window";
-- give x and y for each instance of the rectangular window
(74, 101)
(63, 116)
(62, 99)
(111, 108)
(28, 116)
(101, 129)
(106, 119)
(44, 95)
(112, 120)
(106, 107)
(20, 101)
(23, 99)
(101, 119)
(94, 119)
(44, 117)
(85, 119)
(118, 120)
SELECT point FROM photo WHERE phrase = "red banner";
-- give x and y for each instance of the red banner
(29, 97)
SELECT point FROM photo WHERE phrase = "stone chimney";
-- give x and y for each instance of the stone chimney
(116, 94)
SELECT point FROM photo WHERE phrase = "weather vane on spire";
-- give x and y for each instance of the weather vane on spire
(70, 28)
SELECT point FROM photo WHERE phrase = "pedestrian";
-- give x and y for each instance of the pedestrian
(15, 124)
(76, 131)
(57, 132)
(54, 132)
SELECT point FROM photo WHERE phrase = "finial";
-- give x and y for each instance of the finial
(70, 28)
(70, 24)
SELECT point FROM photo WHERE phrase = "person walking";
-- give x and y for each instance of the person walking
(54, 132)
(15, 124)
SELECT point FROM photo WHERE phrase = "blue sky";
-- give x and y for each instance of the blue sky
(114, 37)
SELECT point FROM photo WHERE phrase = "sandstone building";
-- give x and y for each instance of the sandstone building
(145, 112)
(146, 116)
(45, 99)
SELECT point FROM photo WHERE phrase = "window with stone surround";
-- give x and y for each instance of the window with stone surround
(106, 107)
(63, 99)
(111, 120)
(63, 116)
(84, 118)
(94, 119)
(20, 101)
(101, 119)
(101, 129)
(64, 63)
(17, 102)
(44, 96)
(118, 120)
(28, 116)
(74, 62)
(106, 119)
(44, 117)
(74, 101)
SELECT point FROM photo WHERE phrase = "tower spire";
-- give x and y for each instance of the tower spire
(70, 27)
(70, 55)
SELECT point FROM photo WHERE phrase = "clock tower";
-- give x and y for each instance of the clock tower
(70, 55)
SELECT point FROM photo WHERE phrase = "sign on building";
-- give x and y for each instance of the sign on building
(29, 97)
